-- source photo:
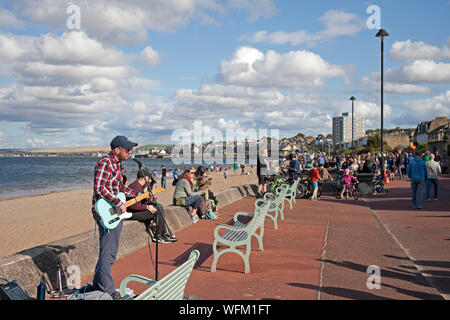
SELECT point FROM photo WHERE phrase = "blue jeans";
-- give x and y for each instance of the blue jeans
(109, 245)
(434, 182)
(417, 192)
(163, 182)
(193, 201)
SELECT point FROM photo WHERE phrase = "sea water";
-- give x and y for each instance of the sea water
(36, 175)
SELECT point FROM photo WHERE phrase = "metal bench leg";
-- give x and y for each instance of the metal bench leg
(281, 210)
(216, 257)
(274, 219)
(246, 257)
(260, 237)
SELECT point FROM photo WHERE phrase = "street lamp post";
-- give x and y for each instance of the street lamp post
(353, 122)
(382, 34)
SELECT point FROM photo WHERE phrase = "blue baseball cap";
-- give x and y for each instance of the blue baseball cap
(298, 150)
(121, 141)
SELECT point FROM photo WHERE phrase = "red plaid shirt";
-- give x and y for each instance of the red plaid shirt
(109, 180)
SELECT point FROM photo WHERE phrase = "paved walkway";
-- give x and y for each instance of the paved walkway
(322, 250)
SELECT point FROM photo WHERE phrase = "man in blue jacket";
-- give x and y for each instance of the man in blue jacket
(417, 172)
(294, 167)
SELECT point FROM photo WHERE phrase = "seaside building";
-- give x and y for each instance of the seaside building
(342, 130)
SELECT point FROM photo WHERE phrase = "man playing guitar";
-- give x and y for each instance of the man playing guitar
(109, 181)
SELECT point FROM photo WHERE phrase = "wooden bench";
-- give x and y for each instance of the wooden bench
(277, 204)
(240, 234)
(171, 287)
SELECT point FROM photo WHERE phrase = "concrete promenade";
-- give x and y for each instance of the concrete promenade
(321, 251)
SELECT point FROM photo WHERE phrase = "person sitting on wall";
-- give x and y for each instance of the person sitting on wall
(147, 210)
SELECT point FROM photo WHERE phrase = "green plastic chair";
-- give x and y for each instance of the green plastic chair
(171, 287)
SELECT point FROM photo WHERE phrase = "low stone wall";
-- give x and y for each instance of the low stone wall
(79, 253)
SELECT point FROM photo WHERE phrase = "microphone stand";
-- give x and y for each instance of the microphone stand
(149, 190)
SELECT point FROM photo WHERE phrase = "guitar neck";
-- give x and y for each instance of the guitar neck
(137, 199)
(143, 196)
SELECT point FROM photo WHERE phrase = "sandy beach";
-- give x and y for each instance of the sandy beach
(35, 220)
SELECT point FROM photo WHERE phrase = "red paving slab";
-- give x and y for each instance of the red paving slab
(322, 250)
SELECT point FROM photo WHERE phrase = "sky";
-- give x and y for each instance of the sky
(78, 73)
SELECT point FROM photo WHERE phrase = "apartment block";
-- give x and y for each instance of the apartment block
(342, 128)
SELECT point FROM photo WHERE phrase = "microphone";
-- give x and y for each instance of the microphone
(137, 161)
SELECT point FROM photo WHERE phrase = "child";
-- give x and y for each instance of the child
(347, 180)
(314, 178)
(225, 173)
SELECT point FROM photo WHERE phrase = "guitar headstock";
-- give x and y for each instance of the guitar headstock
(157, 190)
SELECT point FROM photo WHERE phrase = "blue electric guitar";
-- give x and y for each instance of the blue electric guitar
(110, 215)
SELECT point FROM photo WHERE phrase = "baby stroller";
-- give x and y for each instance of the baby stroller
(378, 185)
(339, 185)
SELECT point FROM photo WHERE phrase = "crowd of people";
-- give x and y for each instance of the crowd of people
(397, 165)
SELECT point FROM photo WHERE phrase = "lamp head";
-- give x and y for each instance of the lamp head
(382, 33)
(353, 98)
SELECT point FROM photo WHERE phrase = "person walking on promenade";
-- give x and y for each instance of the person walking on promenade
(433, 170)
(242, 169)
(163, 176)
(261, 172)
(175, 177)
(417, 172)
(109, 181)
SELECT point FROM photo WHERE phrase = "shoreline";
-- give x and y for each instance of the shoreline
(37, 219)
(30, 195)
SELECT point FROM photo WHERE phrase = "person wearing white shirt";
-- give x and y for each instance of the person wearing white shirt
(434, 169)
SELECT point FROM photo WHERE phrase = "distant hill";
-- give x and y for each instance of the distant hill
(68, 150)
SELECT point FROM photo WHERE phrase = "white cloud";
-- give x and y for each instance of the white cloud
(65, 82)
(420, 71)
(9, 20)
(76, 47)
(419, 110)
(150, 57)
(37, 143)
(255, 8)
(372, 83)
(229, 97)
(11, 47)
(408, 50)
(336, 22)
(127, 22)
(250, 67)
